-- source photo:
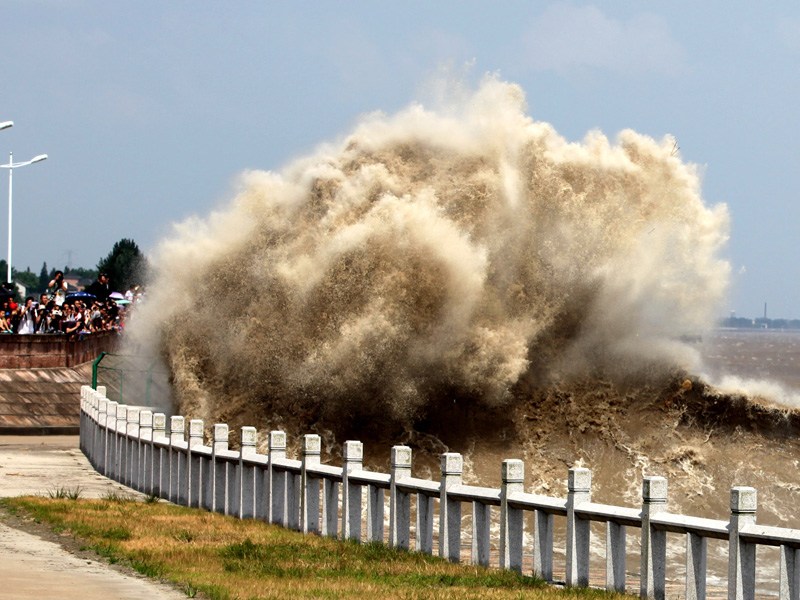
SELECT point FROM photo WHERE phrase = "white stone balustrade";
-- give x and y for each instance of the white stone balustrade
(132, 445)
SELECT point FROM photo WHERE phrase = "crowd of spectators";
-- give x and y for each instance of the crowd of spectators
(74, 315)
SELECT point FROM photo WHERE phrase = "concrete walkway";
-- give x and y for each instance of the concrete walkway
(34, 567)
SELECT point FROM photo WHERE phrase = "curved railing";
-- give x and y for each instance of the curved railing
(133, 445)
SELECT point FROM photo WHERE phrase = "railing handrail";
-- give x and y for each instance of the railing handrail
(608, 513)
(414, 485)
(363, 477)
(151, 453)
(546, 504)
(766, 535)
(675, 523)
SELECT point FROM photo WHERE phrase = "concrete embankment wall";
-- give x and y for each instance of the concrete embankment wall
(40, 379)
(48, 351)
(41, 401)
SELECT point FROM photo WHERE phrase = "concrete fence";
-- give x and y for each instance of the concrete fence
(152, 454)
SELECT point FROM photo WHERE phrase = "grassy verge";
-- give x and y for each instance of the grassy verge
(219, 557)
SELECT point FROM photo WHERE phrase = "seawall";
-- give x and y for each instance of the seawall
(48, 351)
(41, 401)
(40, 379)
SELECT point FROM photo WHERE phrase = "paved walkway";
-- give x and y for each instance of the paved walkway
(33, 567)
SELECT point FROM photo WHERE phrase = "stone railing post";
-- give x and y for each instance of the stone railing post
(543, 545)
(177, 425)
(579, 491)
(145, 451)
(100, 420)
(83, 424)
(375, 513)
(452, 467)
(425, 515)
(160, 467)
(97, 428)
(219, 468)
(277, 478)
(110, 440)
(616, 540)
(87, 425)
(85, 411)
(119, 443)
(100, 438)
(399, 501)
(132, 447)
(194, 464)
(246, 475)
(512, 482)
(330, 506)
(654, 541)
(309, 485)
(353, 455)
(741, 555)
(696, 563)
(788, 576)
(481, 534)
(293, 501)
(91, 404)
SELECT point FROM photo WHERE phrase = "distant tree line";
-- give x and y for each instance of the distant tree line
(125, 265)
(761, 323)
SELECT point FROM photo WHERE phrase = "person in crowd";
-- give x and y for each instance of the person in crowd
(43, 300)
(16, 317)
(100, 288)
(59, 288)
(55, 324)
(80, 315)
(27, 314)
(5, 324)
(43, 314)
(95, 318)
(54, 314)
(7, 310)
(72, 322)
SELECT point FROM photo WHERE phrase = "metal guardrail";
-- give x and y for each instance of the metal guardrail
(130, 378)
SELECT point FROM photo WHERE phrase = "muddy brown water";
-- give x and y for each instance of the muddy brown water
(702, 439)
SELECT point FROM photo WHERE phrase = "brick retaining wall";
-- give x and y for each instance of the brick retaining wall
(48, 351)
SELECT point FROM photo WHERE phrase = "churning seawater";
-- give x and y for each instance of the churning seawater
(460, 277)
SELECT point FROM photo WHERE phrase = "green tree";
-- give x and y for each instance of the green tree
(44, 277)
(125, 264)
(83, 272)
(27, 278)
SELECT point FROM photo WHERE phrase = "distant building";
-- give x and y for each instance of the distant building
(75, 282)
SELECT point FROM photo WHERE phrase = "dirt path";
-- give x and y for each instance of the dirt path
(36, 563)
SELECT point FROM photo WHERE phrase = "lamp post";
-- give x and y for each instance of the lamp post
(6, 124)
(11, 166)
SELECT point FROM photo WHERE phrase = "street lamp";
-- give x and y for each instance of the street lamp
(11, 166)
(6, 124)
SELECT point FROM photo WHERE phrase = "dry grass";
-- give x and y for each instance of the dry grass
(225, 558)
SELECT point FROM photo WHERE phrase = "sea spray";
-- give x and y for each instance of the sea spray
(435, 256)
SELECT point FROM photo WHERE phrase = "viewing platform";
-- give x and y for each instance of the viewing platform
(49, 351)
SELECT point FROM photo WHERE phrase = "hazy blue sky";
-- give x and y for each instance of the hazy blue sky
(149, 109)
